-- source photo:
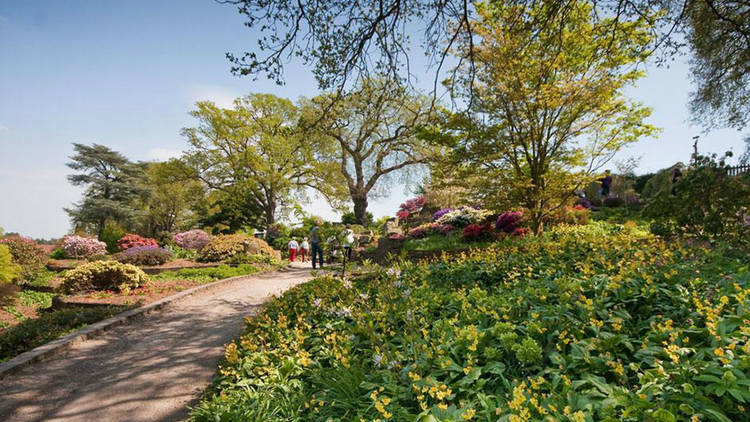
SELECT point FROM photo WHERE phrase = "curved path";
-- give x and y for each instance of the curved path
(148, 369)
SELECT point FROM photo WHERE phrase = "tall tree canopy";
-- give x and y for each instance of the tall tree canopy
(113, 185)
(255, 154)
(719, 36)
(374, 131)
(344, 41)
(548, 106)
(173, 199)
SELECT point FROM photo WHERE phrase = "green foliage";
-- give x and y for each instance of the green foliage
(27, 255)
(564, 75)
(706, 202)
(256, 153)
(350, 218)
(175, 196)
(717, 34)
(103, 275)
(370, 136)
(58, 253)
(595, 323)
(182, 253)
(113, 185)
(207, 274)
(224, 247)
(110, 234)
(38, 300)
(35, 332)
(9, 270)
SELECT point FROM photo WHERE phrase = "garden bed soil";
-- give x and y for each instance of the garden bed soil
(140, 296)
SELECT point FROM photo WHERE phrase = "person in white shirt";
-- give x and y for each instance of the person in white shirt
(304, 249)
(293, 248)
(348, 241)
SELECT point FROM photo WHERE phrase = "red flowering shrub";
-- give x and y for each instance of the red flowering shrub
(521, 232)
(508, 221)
(132, 240)
(411, 207)
(474, 232)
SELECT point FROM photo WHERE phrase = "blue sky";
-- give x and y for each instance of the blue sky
(126, 74)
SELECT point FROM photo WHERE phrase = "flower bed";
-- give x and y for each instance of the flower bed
(585, 323)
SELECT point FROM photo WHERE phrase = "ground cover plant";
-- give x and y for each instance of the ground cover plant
(35, 332)
(586, 323)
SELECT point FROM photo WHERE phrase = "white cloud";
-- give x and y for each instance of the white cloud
(4, 129)
(163, 154)
(221, 96)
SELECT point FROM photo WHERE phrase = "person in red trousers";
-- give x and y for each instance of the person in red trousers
(293, 248)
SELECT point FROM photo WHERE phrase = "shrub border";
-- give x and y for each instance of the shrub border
(60, 345)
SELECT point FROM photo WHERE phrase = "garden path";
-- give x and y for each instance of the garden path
(149, 369)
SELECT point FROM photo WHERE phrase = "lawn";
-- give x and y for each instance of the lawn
(602, 322)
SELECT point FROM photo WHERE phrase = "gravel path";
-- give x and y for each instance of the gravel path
(147, 370)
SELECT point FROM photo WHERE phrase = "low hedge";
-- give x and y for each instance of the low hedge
(103, 275)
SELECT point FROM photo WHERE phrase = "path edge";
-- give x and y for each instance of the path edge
(55, 347)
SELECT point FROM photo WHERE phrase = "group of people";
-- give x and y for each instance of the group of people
(314, 247)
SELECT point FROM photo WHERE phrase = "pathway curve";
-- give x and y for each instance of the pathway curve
(148, 369)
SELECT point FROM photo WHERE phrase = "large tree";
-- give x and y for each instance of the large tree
(719, 37)
(256, 154)
(172, 200)
(113, 185)
(547, 107)
(374, 130)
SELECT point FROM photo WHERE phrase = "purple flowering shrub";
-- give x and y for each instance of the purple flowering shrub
(83, 247)
(508, 221)
(144, 255)
(439, 213)
(192, 239)
(428, 229)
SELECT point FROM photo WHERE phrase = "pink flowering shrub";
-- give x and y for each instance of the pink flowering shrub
(132, 240)
(82, 247)
(192, 239)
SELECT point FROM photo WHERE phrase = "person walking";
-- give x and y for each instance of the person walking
(304, 249)
(348, 236)
(315, 246)
(606, 182)
(293, 247)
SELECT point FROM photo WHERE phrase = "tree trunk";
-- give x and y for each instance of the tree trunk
(360, 208)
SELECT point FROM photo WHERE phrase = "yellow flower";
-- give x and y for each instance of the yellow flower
(442, 406)
(468, 414)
